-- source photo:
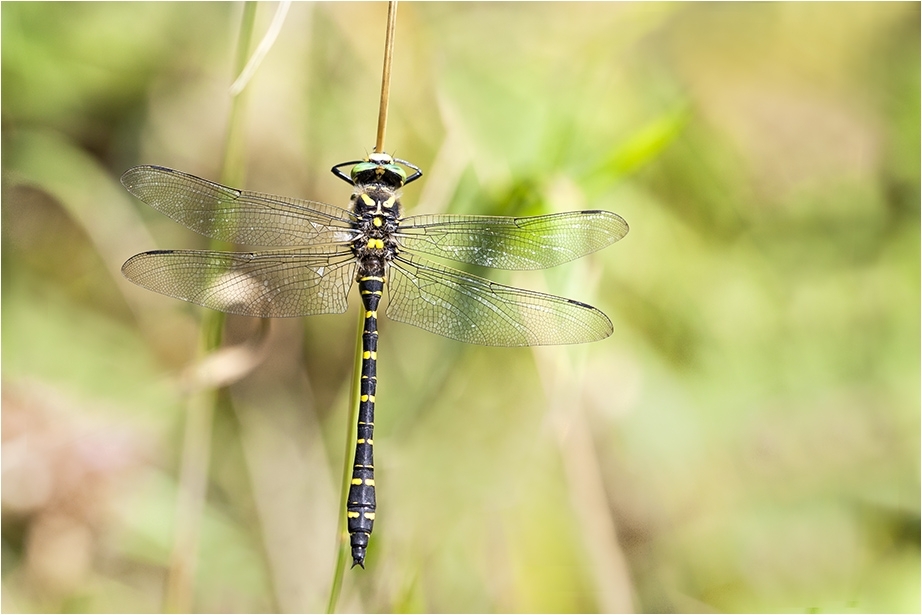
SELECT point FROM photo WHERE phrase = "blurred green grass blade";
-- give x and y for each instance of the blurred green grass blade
(202, 405)
(82, 186)
(640, 148)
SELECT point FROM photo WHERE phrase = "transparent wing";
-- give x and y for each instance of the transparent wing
(265, 284)
(474, 310)
(533, 242)
(238, 216)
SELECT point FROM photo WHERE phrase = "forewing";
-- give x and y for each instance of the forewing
(238, 216)
(534, 242)
(267, 284)
(471, 309)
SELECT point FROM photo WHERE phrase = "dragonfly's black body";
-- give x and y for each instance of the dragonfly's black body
(377, 209)
(323, 249)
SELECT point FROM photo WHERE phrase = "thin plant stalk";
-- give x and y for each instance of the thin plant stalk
(351, 434)
(232, 170)
(386, 74)
(193, 475)
(352, 425)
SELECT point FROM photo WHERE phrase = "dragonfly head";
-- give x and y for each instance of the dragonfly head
(379, 168)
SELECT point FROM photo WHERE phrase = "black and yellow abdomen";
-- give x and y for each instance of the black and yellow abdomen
(360, 506)
(376, 208)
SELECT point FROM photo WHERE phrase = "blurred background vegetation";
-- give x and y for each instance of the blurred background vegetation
(747, 440)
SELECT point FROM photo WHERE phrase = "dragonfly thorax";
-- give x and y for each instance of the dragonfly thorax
(376, 208)
(375, 197)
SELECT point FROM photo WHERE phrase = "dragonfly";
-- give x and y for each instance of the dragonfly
(319, 251)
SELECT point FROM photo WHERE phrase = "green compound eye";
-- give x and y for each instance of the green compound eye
(395, 169)
(392, 174)
(363, 167)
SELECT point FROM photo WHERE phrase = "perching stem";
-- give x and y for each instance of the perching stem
(386, 74)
